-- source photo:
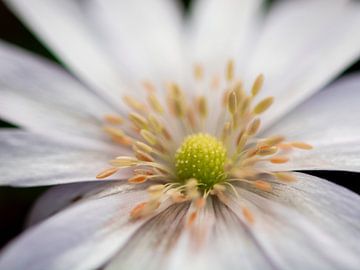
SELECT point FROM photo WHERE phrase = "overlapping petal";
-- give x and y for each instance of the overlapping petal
(33, 160)
(84, 236)
(303, 46)
(37, 95)
(330, 122)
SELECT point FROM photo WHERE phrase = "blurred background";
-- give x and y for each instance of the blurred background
(16, 202)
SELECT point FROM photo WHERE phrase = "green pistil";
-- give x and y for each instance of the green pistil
(201, 156)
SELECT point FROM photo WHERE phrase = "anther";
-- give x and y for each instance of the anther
(263, 105)
(257, 85)
(106, 173)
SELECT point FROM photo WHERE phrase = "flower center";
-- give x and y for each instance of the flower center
(201, 156)
(172, 150)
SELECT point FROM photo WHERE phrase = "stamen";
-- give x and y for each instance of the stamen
(257, 85)
(248, 215)
(106, 173)
(139, 121)
(138, 179)
(155, 104)
(230, 70)
(114, 119)
(134, 104)
(202, 107)
(148, 136)
(301, 145)
(263, 105)
(285, 177)
(279, 159)
(254, 127)
(198, 72)
(202, 165)
(262, 185)
(232, 103)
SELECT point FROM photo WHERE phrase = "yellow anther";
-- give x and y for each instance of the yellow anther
(285, 177)
(263, 105)
(232, 102)
(262, 185)
(113, 119)
(155, 104)
(198, 71)
(279, 159)
(253, 127)
(257, 85)
(133, 103)
(114, 132)
(248, 215)
(148, 136)
(138, 120)
(138, 179)
(202, 107)
(106, 173)
(301, 145)
(143, 147)
(230, 70)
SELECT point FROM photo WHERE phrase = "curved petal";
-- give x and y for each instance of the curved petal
(148, 248)
(62, 196)
(304, 44)
(145, 37)
(31, 160)
(64, 26)
(83, 236)
(37, 95)
(218, 239)
(221, 30)
(334, 208)
(295, 240)
(330, 122)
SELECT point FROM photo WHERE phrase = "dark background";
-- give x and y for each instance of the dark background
(16, 202)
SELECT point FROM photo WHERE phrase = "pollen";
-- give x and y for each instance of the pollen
(201, 156)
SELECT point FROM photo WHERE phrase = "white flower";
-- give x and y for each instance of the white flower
(111, 47)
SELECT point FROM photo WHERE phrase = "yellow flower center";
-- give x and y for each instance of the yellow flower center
(201, 156)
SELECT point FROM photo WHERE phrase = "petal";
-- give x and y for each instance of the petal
(31, 160)
(304, 44)
(37, 95)
(61, 196)
(221, 30)
(145, 37)
(64, 26)
(218, 239)
(83, 236)
(148, 248)
(330, 122)
(293, 240)
(334, 208)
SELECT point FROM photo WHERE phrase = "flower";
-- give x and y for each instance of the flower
(204, 187)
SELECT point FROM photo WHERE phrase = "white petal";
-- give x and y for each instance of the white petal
(293, 240)
(304, 44)
(221, 30)
(37, 95)
(333, 207)
(144, 36)
(83, 236)
(30, 160)
(149, 247)
(218, 239)
(64, 26)
(61, 196)
(330, 122)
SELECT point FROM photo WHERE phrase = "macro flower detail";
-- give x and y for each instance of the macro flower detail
(157, 163)
(197, 164)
